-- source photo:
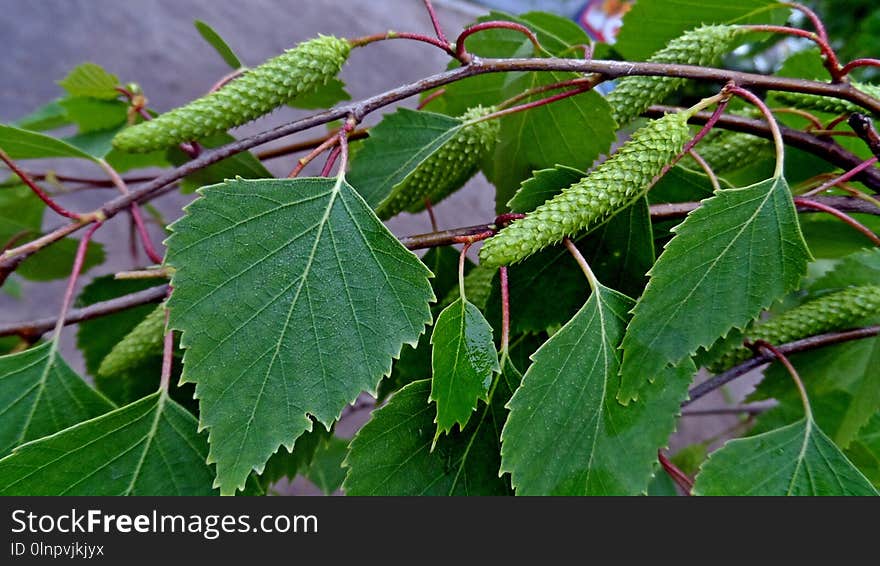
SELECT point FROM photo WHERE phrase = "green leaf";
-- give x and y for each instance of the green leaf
(396, 146)
(243, 164)
(463, 361)
(91, 115)
(56, 261)
(392, 454)
(288, 463)
(858, 268)
(25, 144)
(92, 81)
(864, 450)
(21, 213)
(97, 143)
(415, 363)
(40, 395)
(567, 434)
(325, 96)
(730, 259)
(650, 24)
(798, 459)
(326, 469)
(47, 117)
(293, 298)
(220, 46)
(150, 447)
(841, 382)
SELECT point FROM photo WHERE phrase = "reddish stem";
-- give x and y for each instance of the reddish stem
(771, 122)
(461, 53)
(331, 160)
(679, 477)
(581, 81)
(368, 39)
(848, 68)
(813, 17)
(760, 345)
(535, 104)
(815, 122)
(801, 201)
(37, 190)
(505, 308)
(503, 220)
(429, 208)
(707, 127)
(167, 353)
(436, 22)
(78, 261)
(146, 242)
(843, 178)
(13, 240)
(430, 98)
(303, 161)
(226, 79)
(831, 62)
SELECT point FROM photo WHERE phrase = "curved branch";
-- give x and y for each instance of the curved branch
(811, 343)
(828, 150)
(37, 327)
(479, 66)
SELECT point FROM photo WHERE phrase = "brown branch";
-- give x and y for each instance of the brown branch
(811, 343)
(864, 128)
(479, 66)
(35, 328)
(305, 145)
(828, 150)
(672, 210)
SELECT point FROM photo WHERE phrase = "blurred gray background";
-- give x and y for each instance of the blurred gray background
(154, 43)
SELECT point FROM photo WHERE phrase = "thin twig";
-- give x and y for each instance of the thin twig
(479, 66)
(136, 216)
(854, 64)
(680, 478)
(39, 326)
(438, 29)
(864, 128)
(33, 186)
(763, 346)
(811, 343)
(505, 308)
(710, 173)
(78, 261)
(824, 148)
(167, 355)
(849, 220)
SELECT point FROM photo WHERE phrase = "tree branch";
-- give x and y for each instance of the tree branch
(35, 328)
(811, 343)
(479, 66)
(828, 150)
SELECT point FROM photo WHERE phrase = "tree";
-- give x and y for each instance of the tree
(734, 227)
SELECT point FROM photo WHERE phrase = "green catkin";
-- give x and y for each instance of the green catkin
(702, 46)
(725, 151)
(144, 341)
(613, 185)
(826, 103)
(260, 90)
(834, 311)
(447, 169)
